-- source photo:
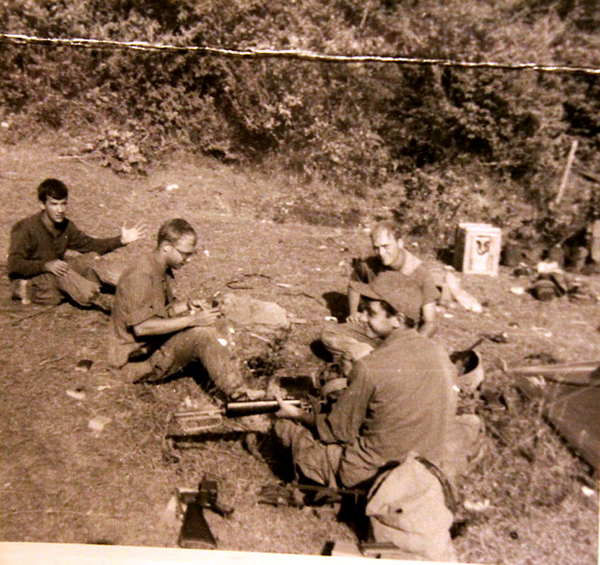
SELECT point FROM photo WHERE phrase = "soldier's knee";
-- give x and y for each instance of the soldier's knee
(328, 336)
(203, 333)
(286, 431)
(88, 296)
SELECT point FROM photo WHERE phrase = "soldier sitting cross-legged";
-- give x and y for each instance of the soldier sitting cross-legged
(37, 266)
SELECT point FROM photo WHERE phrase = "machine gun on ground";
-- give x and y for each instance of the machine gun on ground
(197, 421)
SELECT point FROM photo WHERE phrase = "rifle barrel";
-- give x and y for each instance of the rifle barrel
(250, 407)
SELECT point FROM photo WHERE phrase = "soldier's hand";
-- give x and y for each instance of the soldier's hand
(198, 304)
(288, 410)
(204, 317)
(129, 235)
(254, 394)
(359, 318)
(56, 267)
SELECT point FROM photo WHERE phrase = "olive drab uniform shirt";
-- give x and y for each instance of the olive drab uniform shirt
(399, 399)
(367, 269)
(33, 244)
(143, 292)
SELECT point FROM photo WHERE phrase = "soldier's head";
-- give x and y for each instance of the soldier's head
(176, 241)
(392, 301)
(53, 194)
(386, 239)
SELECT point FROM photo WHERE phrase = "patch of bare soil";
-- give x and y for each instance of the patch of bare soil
(61, 481)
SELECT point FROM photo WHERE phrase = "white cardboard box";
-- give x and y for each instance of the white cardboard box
(477, 248)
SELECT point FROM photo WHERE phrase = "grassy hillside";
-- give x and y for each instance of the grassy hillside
(528, 501)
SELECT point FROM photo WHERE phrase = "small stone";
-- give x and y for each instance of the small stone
(76, 394)
(97, 424)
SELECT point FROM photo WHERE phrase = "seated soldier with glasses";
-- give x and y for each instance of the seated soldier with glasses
(153, 335)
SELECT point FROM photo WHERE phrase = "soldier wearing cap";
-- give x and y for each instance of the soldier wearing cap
(398, 404)
(398, 399)
(352, 341)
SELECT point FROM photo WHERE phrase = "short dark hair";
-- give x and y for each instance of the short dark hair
(389, 226)
(389, 310)
(173, 230)
(52, 188)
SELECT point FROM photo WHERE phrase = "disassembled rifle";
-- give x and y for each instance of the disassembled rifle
(196, 421)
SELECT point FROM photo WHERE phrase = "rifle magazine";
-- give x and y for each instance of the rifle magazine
(195, 421)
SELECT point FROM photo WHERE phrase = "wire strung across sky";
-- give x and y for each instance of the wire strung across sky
(18, 39)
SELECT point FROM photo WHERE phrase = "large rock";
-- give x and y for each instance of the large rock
(248, 312)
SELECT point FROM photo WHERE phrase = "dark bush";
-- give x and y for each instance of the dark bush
(361, 127)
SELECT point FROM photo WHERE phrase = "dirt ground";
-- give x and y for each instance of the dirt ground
(61, 481)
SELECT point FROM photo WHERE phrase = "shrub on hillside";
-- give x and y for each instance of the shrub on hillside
(360, 126)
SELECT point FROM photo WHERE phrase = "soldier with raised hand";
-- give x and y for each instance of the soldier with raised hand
(37, 266)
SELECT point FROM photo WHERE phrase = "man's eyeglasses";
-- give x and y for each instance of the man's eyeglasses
(184, 254)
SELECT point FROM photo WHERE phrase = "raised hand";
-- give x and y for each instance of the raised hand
(129, 235)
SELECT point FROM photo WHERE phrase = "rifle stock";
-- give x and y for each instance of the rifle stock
(195, 531)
